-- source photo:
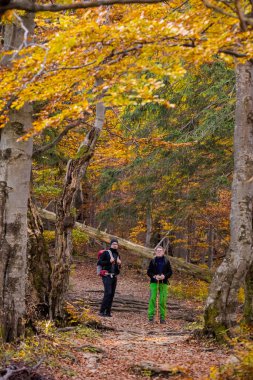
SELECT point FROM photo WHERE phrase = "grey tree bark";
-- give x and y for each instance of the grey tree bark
(220, 311)
(15, 169)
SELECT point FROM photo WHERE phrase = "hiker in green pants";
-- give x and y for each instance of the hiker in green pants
(159, 271)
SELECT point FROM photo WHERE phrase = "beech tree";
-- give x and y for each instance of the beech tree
(138, 42)
(220, 313)
(15, 170)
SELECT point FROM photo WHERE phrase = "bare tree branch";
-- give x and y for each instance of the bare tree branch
(26, 32)
(180, 6)
(218, 9)
(72, 67)
(30, 6)
(58, 138)
(227, 4)
(232, 52)
(244, 20)
(241, 15)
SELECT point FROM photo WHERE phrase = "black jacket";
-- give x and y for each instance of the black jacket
(106, 264)
(153, 270)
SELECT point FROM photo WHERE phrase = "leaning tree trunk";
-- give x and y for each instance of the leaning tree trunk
(220, 311)
(65, 219)
(15, 169)
(178, 265)
(39, 267)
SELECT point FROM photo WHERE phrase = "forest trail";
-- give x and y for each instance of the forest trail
(129, 347)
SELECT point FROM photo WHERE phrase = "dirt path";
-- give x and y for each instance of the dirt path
(134, 349)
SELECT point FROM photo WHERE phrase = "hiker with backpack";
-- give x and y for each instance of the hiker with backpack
(159, 271)
(109, 267)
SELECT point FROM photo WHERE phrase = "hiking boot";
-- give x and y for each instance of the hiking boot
(107, 315)
(162, 322)
(151, 320)
(102, 314)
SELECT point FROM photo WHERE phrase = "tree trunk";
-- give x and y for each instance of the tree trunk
(210, 241)
(149, 225)
(65, 219)
(248, 304)
(180, 249)
(39, 267)
(136, 249)
(190, 232)
(15, 169)
(220, 312)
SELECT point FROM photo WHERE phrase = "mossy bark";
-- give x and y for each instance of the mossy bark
(39, 267)
(214, 326)
(248, 304)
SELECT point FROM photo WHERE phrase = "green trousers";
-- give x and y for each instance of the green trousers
(163, 295)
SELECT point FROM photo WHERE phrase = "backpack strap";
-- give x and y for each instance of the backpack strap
(110, 253)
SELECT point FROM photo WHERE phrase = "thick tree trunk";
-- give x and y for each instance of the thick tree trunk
(220, 312)
(39, 267)
(15, 169)
(136, 249)
(65, 219)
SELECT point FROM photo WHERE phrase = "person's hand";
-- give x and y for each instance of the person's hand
(162, 277)
(118, 261)
(112, 261)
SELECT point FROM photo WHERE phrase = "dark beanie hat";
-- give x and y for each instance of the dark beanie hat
(113, 240)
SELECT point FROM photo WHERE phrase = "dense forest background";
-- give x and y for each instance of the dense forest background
(157, 173)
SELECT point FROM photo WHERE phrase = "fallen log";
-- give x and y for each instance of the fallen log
(178, 265)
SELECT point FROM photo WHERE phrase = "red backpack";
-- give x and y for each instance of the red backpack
(100, 271)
